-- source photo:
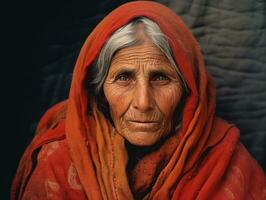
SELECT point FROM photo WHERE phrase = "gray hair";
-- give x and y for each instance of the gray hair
(124, 37)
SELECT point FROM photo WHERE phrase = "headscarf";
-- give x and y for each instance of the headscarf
(102, 174)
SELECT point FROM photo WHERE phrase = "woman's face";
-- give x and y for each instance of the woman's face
(143, 90)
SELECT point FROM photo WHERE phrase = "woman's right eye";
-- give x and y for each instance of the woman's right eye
(123, 77)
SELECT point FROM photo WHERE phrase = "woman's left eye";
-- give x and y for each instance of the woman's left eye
(160, 77)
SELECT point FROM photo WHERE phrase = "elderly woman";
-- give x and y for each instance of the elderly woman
(139, 122)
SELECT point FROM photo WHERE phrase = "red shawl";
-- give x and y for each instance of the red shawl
(80, 156)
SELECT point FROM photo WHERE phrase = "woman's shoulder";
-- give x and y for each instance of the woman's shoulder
(226, 171)
(55, 175)
(46, 170)
(243, 177)
(49, 139)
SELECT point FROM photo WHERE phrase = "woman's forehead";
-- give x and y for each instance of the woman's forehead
(146, 52)
(146, 63)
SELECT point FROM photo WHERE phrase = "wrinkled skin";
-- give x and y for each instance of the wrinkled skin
(142, 90)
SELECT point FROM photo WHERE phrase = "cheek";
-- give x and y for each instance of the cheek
(117, 98)
(167, 99)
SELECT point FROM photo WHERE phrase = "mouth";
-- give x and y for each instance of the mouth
(139, 125)
(144, 122)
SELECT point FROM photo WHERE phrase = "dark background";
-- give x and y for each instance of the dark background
(42, 39)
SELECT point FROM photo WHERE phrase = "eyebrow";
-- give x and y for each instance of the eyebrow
(156, 72)
(132, 71)
(122, 71)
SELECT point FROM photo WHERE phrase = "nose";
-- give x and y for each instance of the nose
(143, 98)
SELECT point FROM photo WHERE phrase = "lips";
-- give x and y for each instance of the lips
(142, 121)
(143, 126)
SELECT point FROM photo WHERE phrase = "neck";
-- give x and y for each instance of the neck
(137, 153)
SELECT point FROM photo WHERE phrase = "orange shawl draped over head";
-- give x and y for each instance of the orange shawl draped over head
(203, 159)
